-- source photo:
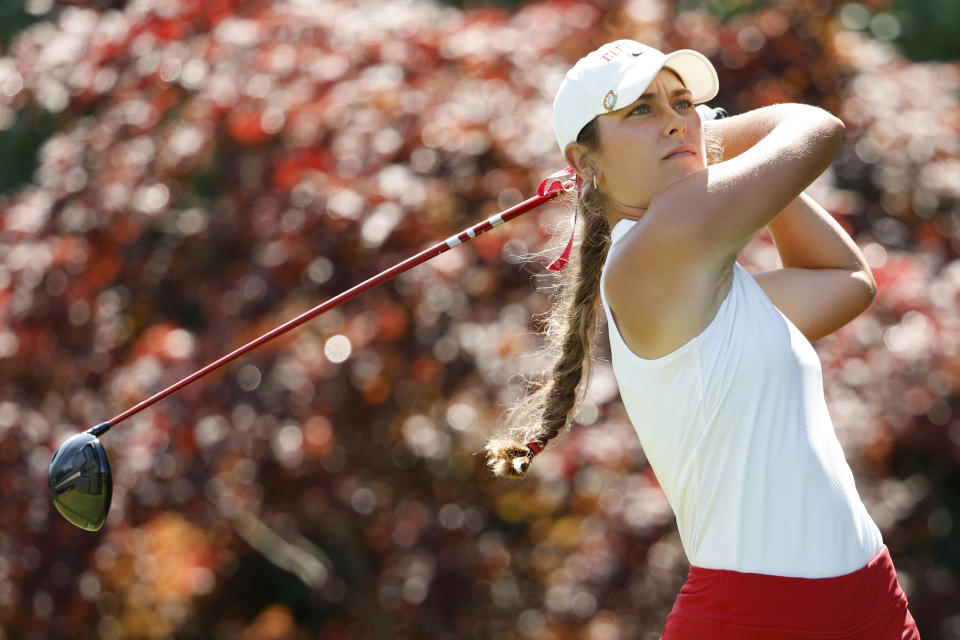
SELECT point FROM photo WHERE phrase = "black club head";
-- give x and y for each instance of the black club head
(80, 482)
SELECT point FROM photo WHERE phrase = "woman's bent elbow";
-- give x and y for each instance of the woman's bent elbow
(826, 139)
(832, 131)
(868, 286)
(836, 128)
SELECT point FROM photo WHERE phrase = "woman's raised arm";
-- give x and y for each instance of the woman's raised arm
(774, 153)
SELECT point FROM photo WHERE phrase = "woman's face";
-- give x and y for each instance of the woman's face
(649, 144)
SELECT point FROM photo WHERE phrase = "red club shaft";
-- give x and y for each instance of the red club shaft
(464, 236)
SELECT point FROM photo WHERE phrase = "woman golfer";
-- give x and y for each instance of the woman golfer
(714, 364)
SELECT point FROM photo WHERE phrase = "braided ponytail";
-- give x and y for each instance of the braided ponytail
(571, 333)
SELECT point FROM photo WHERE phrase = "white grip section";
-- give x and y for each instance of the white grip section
(705, 112)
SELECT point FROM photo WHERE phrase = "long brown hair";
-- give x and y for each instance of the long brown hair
(571, 333)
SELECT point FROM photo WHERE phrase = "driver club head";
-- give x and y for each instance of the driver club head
(80, 481)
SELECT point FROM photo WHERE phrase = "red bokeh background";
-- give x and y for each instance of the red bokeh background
(216, 168)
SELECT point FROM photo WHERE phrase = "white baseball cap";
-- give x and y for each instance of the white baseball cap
(618, 73)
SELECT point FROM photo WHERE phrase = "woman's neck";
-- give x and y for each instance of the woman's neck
(621, 211)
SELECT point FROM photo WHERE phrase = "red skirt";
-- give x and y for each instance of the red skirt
(867, 604)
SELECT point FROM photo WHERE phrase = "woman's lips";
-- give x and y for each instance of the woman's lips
(681, 152)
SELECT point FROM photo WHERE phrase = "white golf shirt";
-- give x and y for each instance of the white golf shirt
(736, 429)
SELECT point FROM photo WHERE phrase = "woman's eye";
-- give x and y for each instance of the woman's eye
(683, 105)
(642, 108)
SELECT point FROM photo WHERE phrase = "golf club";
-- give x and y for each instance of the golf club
(79, 477)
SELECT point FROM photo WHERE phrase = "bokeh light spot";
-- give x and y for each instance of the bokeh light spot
(249, 377)
(337, 348)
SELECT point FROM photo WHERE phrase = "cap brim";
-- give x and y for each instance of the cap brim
(697, 73)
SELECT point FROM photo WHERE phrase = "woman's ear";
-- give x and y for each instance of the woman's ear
(582, 161)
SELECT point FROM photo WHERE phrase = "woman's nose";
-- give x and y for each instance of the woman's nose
(675, 124)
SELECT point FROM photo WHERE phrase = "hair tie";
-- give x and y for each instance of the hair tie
(535, 447)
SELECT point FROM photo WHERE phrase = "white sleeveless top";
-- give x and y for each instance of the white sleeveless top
(736, 429)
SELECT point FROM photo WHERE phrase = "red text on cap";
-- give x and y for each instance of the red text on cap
(612, 53)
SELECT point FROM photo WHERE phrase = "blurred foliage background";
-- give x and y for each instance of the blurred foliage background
(180, 176)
